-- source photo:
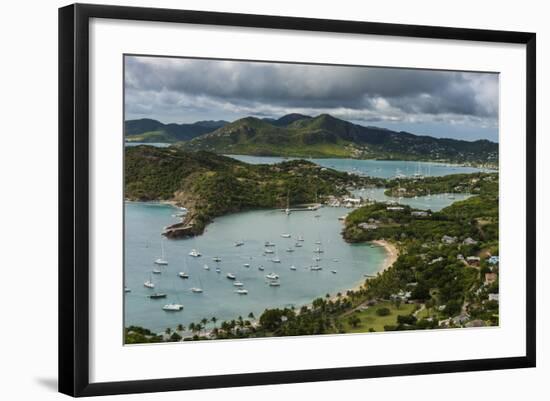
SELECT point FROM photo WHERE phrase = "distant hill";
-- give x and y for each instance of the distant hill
(326, 136)
(148, 130)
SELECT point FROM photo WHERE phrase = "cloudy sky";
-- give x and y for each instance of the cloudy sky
(437, 103)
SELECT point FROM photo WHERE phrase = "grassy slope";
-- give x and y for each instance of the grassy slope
(370, 320)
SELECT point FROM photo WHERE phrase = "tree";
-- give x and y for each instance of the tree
(214, 320)
(354, 321)
(383, 311)
(181, 327)
(168, 330)
(271, 319)
(251, 315)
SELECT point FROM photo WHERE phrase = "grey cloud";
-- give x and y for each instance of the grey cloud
(369, 93)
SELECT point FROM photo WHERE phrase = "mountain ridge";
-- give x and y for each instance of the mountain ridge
(298, 135)
(150, 130)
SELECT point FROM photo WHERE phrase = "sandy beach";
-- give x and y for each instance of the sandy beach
(392, 253)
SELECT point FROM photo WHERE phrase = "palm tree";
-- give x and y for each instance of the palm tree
(168, 330)
(180, 327)
(203, 322)
(251, 316)
(214, 320)
(192, 327)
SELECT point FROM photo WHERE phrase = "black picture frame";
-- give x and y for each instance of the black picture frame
(74, 201)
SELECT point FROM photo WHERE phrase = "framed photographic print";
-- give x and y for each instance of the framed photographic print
(249, 199)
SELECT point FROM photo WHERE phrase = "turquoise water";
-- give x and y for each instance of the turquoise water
(144, 222)
(432, 202)
(155, 144)
(373, 168)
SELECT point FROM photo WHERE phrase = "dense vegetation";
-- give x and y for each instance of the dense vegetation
(476, 183)
(327, 136)
(147, 130)
(211, 185)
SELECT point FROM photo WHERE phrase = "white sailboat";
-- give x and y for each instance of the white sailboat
(238, 284)
(206, 267)
(183, 275)
(285, 235)
(173, 307)
(217, 259)
(272, 276)
(162, 260)
(292, 267)
(231, 276)
(149, 283)
(239, 243)
(242, 291)
(287, 210)
(194, 253)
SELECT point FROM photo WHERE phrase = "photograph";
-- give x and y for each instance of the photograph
(271, 199)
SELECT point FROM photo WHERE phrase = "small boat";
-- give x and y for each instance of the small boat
(238, 284)
(261, 268)
(285, 235)
(196, 290)
(242, 291)
(126, 289)
(318, 250)
(157, 295)
(231, 276)
(156, 271)
(289, 250)
(300, 238)
(334, 271)
(335, 260)
(269, 251)
(149, 284)
(272, 276)
(239, 243)
(172, 307)
(218, 270)
(206, 267)
(183, 275)
(194, 253)
(298, 245)
(276, 260)
(315, 268)
(317, 216)
(217, 259)
(317, 259)
(292, 267)
(274, 284)
(317, 242)
(268, 244)
(246, 265)
(162, 260)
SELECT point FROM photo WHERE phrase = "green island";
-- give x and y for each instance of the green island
(445, 268)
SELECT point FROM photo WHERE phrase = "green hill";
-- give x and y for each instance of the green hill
(148, 130)
(211, 185)
(326, 136)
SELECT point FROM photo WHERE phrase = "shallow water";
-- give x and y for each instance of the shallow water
(142, 246)
(373, 168)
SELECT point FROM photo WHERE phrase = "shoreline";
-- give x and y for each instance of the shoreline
(392, 253)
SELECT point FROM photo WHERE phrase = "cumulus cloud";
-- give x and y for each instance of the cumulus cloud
(180, 89)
